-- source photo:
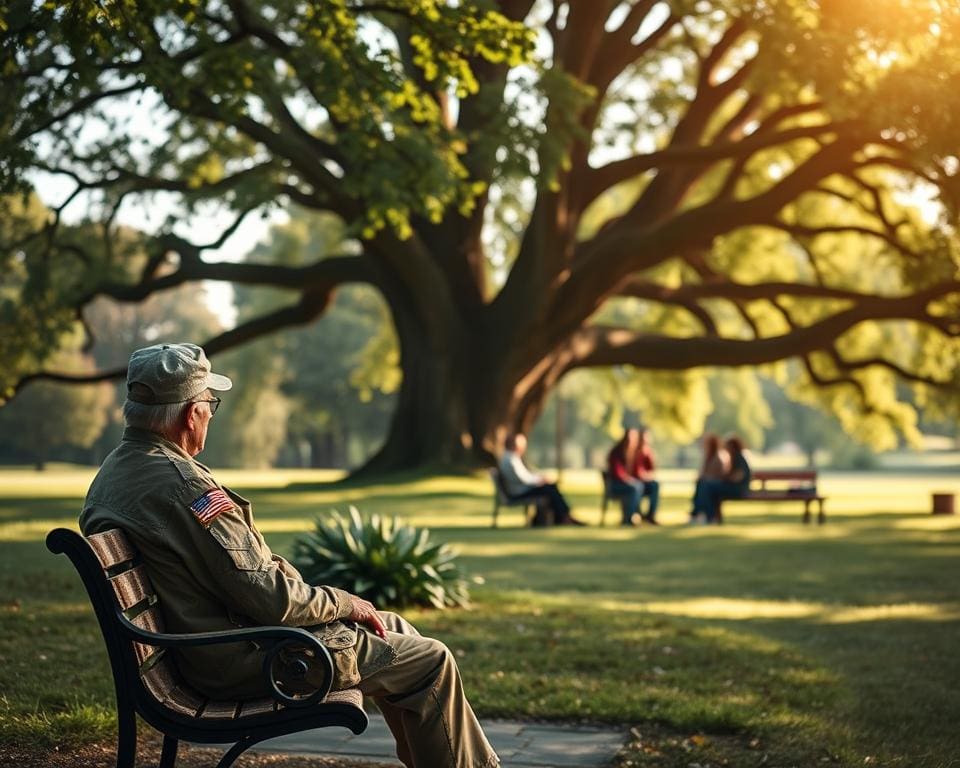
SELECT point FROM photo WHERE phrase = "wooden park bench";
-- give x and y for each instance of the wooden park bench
(149, 684)
(503, 499)
(788, 485)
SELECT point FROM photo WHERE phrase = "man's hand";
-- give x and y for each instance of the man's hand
(364, 612)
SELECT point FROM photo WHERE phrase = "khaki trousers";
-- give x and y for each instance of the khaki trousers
(422, 701)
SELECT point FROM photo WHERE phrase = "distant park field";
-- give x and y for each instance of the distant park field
(761, 642)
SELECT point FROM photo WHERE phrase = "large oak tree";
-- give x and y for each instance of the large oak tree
(534, 187)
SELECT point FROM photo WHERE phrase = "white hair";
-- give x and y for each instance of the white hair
(162, 419)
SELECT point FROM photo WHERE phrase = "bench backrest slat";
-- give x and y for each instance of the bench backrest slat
(111, 548)
(257, 707)
(132, 587)
(766, 477)
(220, 710)
(152, 621)
(164, 684)
(785, 474)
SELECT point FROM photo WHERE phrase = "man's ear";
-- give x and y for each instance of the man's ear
(191, 415)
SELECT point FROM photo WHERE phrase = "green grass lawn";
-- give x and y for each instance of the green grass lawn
(761, 642)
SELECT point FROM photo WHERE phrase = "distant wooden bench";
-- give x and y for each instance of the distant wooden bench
(503, 499)
(149, 684)
(788, 485)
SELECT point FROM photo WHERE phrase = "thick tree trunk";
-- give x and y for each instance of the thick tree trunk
(431, 424)
(473, 372)
(458, 401)
(436, 428)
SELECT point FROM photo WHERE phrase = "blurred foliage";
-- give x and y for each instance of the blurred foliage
(182, 51)
(326, 387)
(34, 318)
(48, 417)
(251, 427)
(340, 380)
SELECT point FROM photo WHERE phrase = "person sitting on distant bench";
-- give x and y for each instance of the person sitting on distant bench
(716, 465)
(520, 483)
(630, 465)
(735, 483)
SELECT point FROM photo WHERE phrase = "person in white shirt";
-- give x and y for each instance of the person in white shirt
(520, 483)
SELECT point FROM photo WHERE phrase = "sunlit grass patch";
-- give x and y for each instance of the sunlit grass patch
(76, 724)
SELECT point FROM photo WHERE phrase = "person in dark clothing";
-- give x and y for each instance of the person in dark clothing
(521, 483)
(715, 466)
(734, 484)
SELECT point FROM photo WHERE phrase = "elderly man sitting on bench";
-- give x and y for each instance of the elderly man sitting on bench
(213, 571)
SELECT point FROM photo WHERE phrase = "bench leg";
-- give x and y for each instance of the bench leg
(806, 511)
(821, 516)
(496, 511)
(168, 755)
(234, 752)
(126, 738)
(603, 509)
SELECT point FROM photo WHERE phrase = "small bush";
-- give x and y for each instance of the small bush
(854, 456)
(382, 561)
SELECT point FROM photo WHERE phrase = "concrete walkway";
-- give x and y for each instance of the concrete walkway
(520, 745)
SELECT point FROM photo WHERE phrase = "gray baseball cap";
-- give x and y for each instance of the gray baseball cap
(171, 373)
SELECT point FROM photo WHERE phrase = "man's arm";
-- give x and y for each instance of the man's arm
(248, 577)
(285, 566)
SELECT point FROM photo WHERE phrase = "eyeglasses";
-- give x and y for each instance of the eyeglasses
(214, 404)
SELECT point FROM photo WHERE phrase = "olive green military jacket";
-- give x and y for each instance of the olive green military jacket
(212, 570)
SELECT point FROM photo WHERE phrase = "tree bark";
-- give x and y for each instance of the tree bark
(464, 390)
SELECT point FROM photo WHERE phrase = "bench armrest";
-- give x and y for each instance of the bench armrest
(273, 639)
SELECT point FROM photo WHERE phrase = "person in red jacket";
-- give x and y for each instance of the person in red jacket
(631, 465)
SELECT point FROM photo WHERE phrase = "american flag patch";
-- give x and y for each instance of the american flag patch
(212, 503)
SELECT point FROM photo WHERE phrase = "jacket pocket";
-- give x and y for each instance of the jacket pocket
(346, 673)
(341, 640)
(342, 637)
(244, 554)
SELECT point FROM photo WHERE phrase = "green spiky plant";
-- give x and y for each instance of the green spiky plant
(382, 560)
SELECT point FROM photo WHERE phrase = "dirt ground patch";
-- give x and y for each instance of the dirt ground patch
(104, 756)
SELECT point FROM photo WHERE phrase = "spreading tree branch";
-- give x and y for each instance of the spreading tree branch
(599, 345)
(603, 178)
(321, 279)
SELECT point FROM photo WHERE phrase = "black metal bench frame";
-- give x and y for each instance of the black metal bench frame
(148, 683)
